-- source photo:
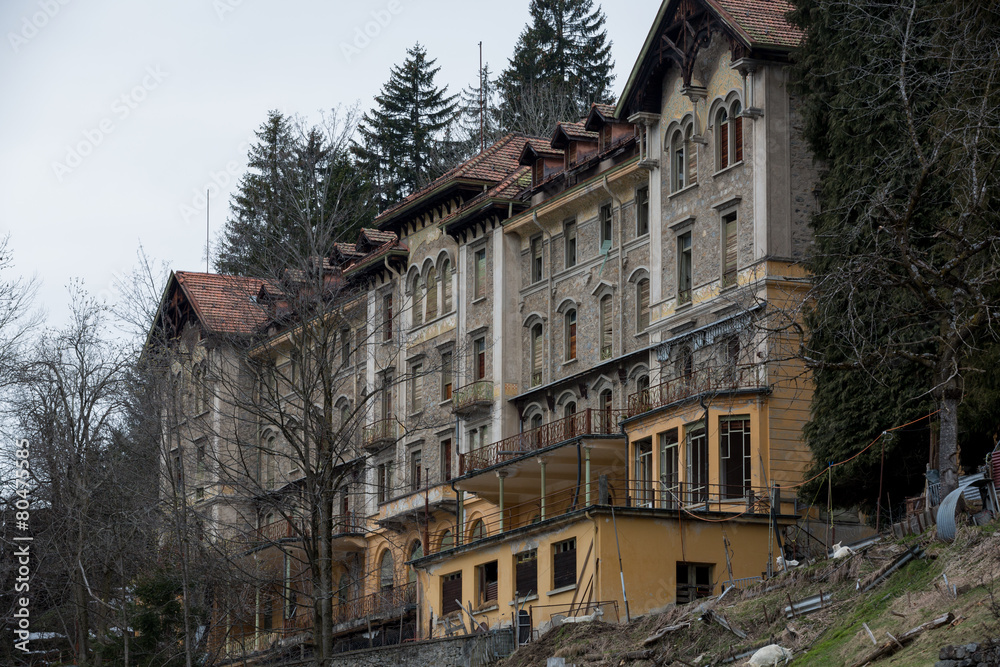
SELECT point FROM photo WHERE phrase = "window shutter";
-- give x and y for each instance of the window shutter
(723, 144)
(451, 592)
(432, 294)
(606, 330)
(564, 568)
(536, 353)
(446, 286)
(729, 272)
(691, 153)
(738, 138)
(480, 274)
(643, 304)
(527, 574)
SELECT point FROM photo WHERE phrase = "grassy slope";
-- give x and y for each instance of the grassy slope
(832, 636)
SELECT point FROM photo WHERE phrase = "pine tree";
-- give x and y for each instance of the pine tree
(301, 194)
(405, 139)
(563, 53)
(479, 114)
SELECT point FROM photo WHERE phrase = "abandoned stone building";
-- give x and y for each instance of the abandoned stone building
(563, 353)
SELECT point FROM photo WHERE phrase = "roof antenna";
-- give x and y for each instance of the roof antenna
(208, 209)
(482, 106)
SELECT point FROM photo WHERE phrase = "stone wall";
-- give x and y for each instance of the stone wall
(469, 651)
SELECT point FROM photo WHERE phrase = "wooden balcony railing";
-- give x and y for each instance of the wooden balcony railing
(379, 434)
(472, 396)
(587, 422)
(701, 381)
(393, 601)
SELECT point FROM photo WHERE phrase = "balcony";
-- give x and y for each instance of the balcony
(380, 434)
(474, 397)
(589, 422)
(702, 381)
(386, 603)
(282, 529)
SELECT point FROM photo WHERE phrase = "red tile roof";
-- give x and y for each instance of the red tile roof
(224, 304)
(764, 22)
(606, 110)
(492, 165)
(573, 131)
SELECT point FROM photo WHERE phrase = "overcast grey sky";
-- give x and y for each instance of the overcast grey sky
(117, 115)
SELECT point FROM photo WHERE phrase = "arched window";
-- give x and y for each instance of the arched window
(416, 551)
(684, 367)
(607, 328)
(536, 421)
(446, 286)
(683, 158)
(478, 530)
(432, 294)
(537, 354)
(729, 135)
(570, 409)
(386, 571)
(344, 589)
(571, 334)
(447, 540)
(642, 305)
(418, 307)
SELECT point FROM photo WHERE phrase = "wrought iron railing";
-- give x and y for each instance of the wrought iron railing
(700, 381)
(476, 394)
(379, 433)
(393, 601)
(344, 524)
(585, 423)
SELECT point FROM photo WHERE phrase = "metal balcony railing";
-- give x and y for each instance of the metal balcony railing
(700, 381)
(478, 394)
(394, 601)
(379, 434)
(587, 422)
(344, 524)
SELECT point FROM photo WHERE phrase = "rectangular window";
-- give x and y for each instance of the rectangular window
(387, 317)
(479, 359)
(729, 265)
(446, 376)
(480, 275)
(694, 580)
(564, 563)
(734, 443)
(487, 583)
(451, 592)
(669, 470)
(697, 463)
(345, 347)
(384, 481)
(526, 573)
(644, 472)
(571, 334)
(642, 211)
(416, 387)
(684, 268)
(387, 396)
(446, 459)
(607, 328)
(536, 355)
(606, 224)
(569, 236)
(536, 259)
(416, 470)
(642, 305)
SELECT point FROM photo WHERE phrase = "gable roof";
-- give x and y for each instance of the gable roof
(566, 132)
(223, 304)
(756, 28)
(486, 168)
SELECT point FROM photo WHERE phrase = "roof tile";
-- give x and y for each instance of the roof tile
(224, 304)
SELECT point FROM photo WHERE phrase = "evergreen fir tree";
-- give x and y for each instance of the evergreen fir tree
(405, 138)
(479, 114)
(563, 53)
(302, 193)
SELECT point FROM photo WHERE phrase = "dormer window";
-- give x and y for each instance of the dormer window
(606, 136)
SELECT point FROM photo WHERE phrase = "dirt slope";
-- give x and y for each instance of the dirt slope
(834, 635)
